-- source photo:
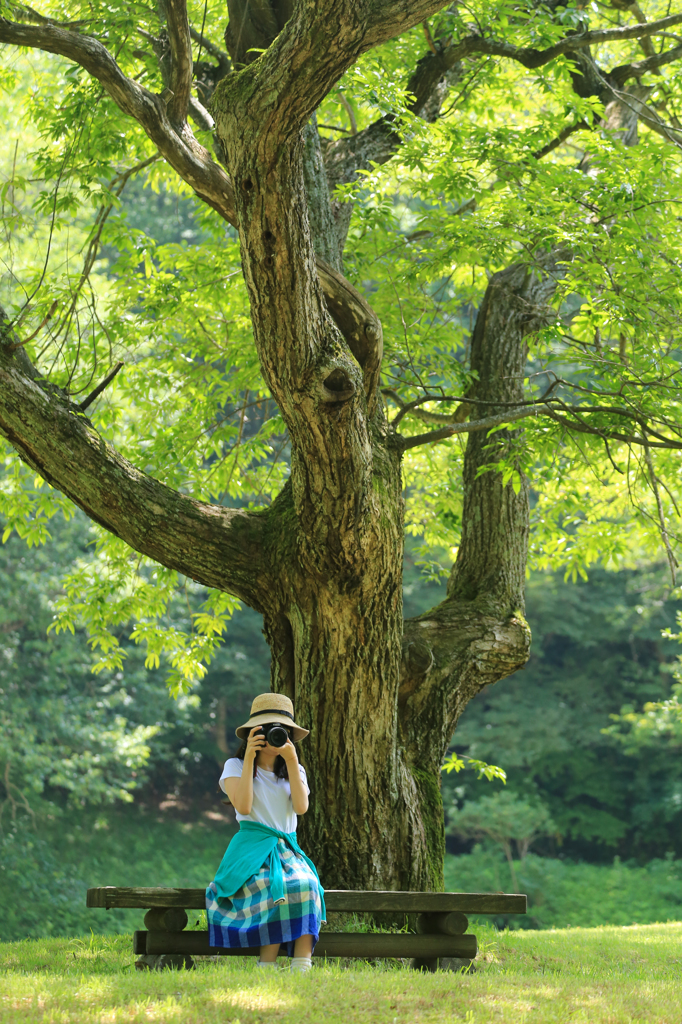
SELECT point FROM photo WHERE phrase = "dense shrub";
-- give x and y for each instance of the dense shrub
(44, 874)
(563, 893)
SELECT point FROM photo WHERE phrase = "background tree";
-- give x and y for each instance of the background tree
(509, 287)
(503, 818)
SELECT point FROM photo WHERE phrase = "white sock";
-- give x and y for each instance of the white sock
(265, 963)
(300, 964)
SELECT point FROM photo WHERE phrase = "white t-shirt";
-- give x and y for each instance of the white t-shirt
(271, 796)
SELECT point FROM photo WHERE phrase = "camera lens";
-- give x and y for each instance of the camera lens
(276, 735)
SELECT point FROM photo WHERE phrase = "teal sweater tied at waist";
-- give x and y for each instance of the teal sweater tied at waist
(248, 851)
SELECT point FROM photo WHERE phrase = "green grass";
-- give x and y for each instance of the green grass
(605, 975)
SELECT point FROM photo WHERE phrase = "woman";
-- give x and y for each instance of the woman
(266, 891)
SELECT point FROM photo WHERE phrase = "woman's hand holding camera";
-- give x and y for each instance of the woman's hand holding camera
(299, 795)
(255, 742)
(288, 752)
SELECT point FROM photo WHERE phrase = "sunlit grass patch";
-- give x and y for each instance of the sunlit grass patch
(574, 976)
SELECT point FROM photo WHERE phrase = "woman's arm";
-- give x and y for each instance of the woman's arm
(240, 791)
(299, 797)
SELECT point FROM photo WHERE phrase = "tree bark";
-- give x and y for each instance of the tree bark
(478, 635)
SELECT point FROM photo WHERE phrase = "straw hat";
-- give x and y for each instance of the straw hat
(272, 707)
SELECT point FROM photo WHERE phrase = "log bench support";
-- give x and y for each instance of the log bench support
(441, 925)
(163, 921)
(451, 923)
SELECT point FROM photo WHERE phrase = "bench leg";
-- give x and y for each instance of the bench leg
(456, 963)
(165, 920)
(428, 964)
(165, 961)
(452, 923)
(446, 963)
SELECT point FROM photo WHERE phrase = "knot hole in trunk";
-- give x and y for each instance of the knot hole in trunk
(338, 387)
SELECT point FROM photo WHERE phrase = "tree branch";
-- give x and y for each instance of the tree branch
(100, 387)
(181, 59)
(380, 140)
(636, 106)
(533, 58)
(316, 46)
(460, 414)
(560, 139)
(610, 434)
(182, 151)
(488, 423)
(116, 186)
(623, 72)
(218, 547)
(540, 409)
(224, 62)
(46, 319)
(479, 634)
(387, 19)
(449, 654)
(161, 46)
(672, 561)
(357, 322)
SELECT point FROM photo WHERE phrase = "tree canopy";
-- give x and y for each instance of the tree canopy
(408, 225)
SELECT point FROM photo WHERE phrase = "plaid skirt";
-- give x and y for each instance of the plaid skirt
(251, 918)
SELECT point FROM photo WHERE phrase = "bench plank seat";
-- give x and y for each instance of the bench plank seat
(358, 901)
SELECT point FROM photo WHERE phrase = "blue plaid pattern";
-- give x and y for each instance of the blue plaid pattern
(251, 918)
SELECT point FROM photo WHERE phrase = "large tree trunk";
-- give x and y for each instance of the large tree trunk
(380, 722)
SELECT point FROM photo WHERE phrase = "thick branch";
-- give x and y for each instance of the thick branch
(181, 59)
(182, 151)
(218, 547)
(390, 18)
(162, 49)
(621, 74)
(532, 58)
(358, 323)
(278, 93)
(478, 634)
(200, 115)
(377, 143)
(449, 654)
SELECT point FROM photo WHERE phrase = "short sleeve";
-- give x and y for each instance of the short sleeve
(232, 770)
(304, 778)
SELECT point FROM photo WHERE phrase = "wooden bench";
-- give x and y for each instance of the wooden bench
(441, 924)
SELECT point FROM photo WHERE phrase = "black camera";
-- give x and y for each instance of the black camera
(275, 734)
